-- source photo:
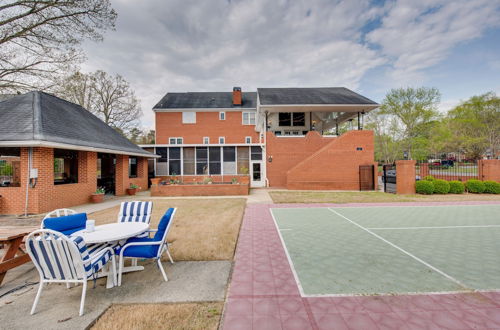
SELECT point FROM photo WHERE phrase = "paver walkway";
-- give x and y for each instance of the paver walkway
(263, 293)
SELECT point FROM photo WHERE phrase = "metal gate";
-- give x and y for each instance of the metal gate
(389, 178)
(366, 181)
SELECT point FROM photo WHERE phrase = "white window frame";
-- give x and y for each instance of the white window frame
(249, 113)
(187, 119)
(206, 140)
(222, 115)
(223, 139)
(248, 139)
(175, 140)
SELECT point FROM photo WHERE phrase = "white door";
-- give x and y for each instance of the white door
(256, 174)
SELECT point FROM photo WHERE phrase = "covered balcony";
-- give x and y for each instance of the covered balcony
(297, 111)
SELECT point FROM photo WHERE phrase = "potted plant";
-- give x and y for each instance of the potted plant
(245, 179)
(132, 189)
(98, 195)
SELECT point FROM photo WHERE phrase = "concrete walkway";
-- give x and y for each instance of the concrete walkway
(58, 307)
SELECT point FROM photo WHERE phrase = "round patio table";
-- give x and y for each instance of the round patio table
(113, 233)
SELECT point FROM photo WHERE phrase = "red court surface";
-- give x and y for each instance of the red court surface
(263, 293)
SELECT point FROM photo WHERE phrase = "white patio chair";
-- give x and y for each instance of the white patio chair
(148, 248)
(62, 259)
(138, 211)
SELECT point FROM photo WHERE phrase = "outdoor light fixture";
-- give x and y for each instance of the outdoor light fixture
(270, 159)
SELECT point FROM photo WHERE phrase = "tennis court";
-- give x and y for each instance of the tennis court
(392, 250)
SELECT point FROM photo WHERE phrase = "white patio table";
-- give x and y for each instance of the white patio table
(113, 233)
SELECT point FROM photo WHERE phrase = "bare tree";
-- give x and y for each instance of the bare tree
(108, 97)
(41, 38)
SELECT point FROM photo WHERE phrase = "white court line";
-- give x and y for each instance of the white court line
(286, 229)
(402, 250)
(436, 227)
(290, 262)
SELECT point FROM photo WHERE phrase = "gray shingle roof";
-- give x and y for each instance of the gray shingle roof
(41, 117)
(205, 100)
(324, 95)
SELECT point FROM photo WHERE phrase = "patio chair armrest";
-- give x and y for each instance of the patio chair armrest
(138, 244)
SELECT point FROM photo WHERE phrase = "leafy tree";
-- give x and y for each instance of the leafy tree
(40, 39)
(412, 107)
(387, 148)
(475, 125)
(108, 97)
(138, 136)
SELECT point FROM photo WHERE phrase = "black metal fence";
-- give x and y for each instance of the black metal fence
(448, 170)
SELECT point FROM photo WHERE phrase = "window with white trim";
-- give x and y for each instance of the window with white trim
(222, 140)
(175, 140)
(248, 139)
(222, 115)
(189, 117)
(248, 118)
(206, 140)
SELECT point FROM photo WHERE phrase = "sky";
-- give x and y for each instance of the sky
(162, 46)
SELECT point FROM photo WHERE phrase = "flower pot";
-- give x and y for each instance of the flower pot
(97, 198)
(131, 191)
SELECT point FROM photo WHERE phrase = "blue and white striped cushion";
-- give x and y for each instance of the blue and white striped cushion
(56, 260)
(100, 260)
(135, 212)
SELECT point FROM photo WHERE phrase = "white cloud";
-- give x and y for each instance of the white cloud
(186, 45)
(169, 46)
(416, 35)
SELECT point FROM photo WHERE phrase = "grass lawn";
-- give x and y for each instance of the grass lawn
(369, 197)
(161, 316)
(203, 229)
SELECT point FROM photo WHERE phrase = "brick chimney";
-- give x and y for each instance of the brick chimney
(236, 95)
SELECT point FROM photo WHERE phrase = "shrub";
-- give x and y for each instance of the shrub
(456, 187)
(475, 186)
(424, 187)
(429, 178)
(491, 187)
(441, 186)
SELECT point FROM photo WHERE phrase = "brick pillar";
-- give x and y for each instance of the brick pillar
(43, 160)
(424, 170)
(489, 169)
(121, 175)
(405, 176)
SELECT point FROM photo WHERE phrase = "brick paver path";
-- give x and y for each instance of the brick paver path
(263, 293)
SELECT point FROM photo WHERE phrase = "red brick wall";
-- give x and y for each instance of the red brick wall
(200, 190)
(405, 176)
(122, 180)
(316, 162)
(169, 124)
(200, 178)
(489, 169)
(46, 196)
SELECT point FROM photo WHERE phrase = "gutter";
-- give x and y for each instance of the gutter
(48, 144)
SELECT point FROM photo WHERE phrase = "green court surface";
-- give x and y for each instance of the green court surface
(392, 250)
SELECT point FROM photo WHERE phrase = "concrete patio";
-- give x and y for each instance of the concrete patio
(194, 281)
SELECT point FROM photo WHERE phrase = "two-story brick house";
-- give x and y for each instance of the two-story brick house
(281, 137)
